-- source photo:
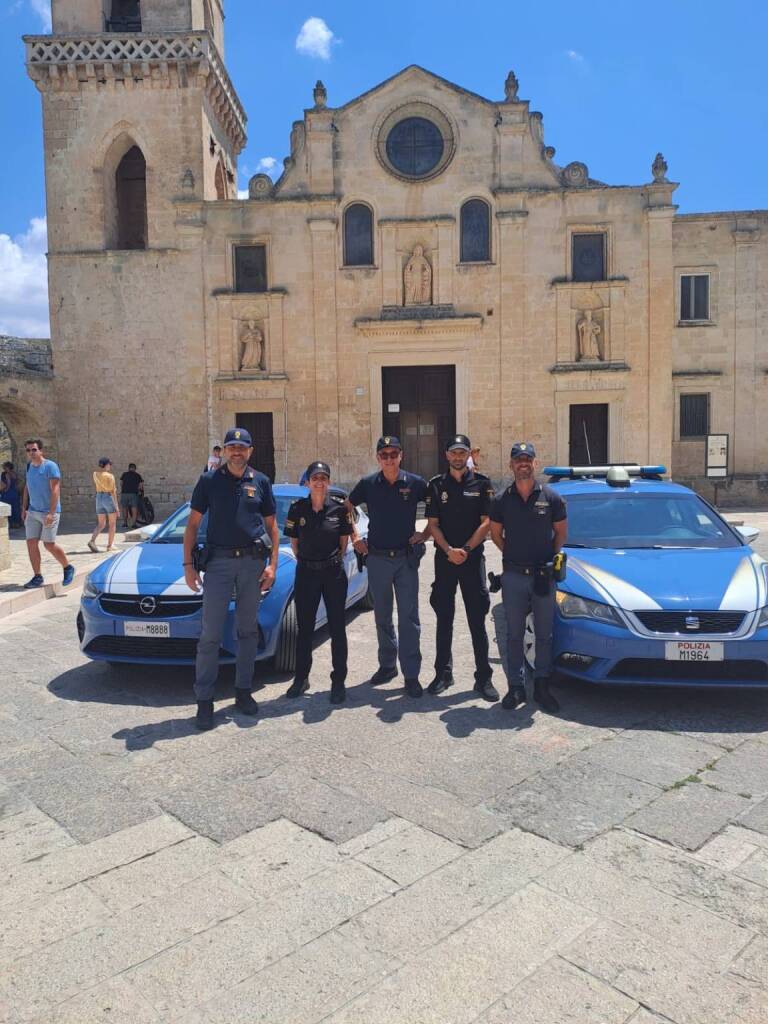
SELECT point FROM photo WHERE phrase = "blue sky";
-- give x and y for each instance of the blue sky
(616, 82)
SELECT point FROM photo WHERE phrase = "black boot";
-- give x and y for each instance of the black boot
(441, 682)
(413, 688)
(513, 698)
(486, 689)
(382, 675)
(244, 702)
(297, 687)
(204, 716)
(338, 693)
(543, 697)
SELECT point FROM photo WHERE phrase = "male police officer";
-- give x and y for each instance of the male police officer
(394, 549)
(458, 503)
(529, 526)
(241, 550)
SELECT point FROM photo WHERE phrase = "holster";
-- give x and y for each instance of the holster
(415, 554)
(201, 555)
(361, 560)
(559, 563)
(542, 580)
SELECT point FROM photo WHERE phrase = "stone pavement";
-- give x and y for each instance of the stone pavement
(410, 862)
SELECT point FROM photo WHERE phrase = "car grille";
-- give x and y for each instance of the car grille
(657, 669)
(708, 622)
(129, 606)
(148, 647)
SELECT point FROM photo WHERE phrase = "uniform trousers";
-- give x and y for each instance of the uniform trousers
(388, 577)
(221, 576)
(470, 577)
(519, 599)
(330, 584)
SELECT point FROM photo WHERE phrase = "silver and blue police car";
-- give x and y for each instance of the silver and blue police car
(136, 607)
(659, 587)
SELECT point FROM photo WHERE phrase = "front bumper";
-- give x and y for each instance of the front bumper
(621, 657)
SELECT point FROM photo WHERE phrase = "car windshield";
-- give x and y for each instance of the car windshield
(616, 520)
(172, 530)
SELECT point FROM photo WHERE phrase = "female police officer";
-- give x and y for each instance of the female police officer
(319, 527)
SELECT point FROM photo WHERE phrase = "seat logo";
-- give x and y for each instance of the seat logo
(692, 622)
(147, 605)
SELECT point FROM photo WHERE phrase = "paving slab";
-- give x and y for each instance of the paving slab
(664, 980)
(34, 841)
(731, 847)
(753, 963)
(31, 926)
(410, 855)
(757, 818)
(115, 1001)
(559, 993)
(381, 830)
(684, 876)
(755, 868)
(688, 816)
(658, 758)
(743, 771)
(465, 973)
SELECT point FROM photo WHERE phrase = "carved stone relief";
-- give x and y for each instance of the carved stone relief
(252, 349)
(417, 280)
(575, 174)
(590, 340)
(260, 187)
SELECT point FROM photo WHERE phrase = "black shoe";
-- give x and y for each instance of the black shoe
(244, 702)
(486, 689)
(204, 716)
(494, 582)
(543, 697)
(413, 688)
(382, 675)
(338, 693)
(297, 687)
(441, 682)
(513, 698)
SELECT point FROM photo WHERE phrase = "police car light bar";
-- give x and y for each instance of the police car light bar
(575, 472)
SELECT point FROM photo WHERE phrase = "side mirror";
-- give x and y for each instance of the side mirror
(147, 532)
(748, 533)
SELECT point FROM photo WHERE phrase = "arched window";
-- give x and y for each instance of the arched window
(131, 195)
(475, 231)
(125, 16)
(358, 236)
(220, 180)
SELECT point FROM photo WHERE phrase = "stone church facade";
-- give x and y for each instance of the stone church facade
(423, 265)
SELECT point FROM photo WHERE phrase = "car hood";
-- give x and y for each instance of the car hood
(687, 579)
(151, 569)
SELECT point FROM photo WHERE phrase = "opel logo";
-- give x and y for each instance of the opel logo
(692, 622)
(147, 605)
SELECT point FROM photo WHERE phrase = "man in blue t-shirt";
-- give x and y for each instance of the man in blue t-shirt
(394, 549)
(41, 510)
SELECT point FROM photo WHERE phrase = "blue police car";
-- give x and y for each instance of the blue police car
(659, 587)
(136, 607)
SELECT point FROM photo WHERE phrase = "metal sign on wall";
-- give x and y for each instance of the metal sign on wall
(717, 455)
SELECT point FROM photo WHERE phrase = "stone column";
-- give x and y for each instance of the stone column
(511, 327)
(5, 544)
(324, 260)
(661, 318)
(746, 373)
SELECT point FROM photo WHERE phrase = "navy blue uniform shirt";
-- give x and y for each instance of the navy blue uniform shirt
(528, 533)
(236, 506)
(459, 505)
(391, 507)
(318, 532)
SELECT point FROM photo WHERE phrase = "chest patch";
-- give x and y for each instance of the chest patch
(249, 492)
(405, 493)
(444, 497)
(302, 521)
(471, 494)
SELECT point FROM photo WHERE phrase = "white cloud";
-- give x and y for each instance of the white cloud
(24, 273)
(315, 39)
(575, 56)
(267, 164)
(42, 9)
(242, 193)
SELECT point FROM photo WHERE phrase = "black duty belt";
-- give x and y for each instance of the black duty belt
(258, 550)
(323, 563)
(388, 552)
(527, 570)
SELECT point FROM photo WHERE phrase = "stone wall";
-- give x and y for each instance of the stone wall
(5, 544)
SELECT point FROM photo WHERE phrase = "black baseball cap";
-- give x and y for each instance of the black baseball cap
(238, 435)
(388, 441)
(318, 467)
(104, 461)
(458, 441)
(522, 449)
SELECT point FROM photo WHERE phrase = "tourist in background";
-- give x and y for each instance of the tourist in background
(41, 511)
(106, 504)
(214, 459)
(131, 486)
(9, 492)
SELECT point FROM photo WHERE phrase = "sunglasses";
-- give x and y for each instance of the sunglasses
(388, 455)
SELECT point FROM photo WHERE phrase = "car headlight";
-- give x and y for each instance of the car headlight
(763, 620)
(573, 607)
(91, 589)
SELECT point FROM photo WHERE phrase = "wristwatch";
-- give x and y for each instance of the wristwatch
(467, 548)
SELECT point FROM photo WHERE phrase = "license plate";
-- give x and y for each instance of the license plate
(147, 628)
(694, 650)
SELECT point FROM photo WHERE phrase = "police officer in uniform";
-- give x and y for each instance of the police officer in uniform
(529, 526)
(319, 527)
(458, 503)
(393, 551)
(241, 550)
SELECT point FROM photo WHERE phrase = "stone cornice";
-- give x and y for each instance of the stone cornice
(59, 62)
(577, 286)
(463, 326)
(589, 367)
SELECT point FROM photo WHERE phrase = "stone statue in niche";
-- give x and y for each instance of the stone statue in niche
(659, 168)
(252, 342)
(417, 280)
(590, 339)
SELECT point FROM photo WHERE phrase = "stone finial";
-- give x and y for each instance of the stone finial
(575, 174)
(260, 187)
(549, 152)
(511, 85)
(188, 181)
(659, 169)
(320, 95)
